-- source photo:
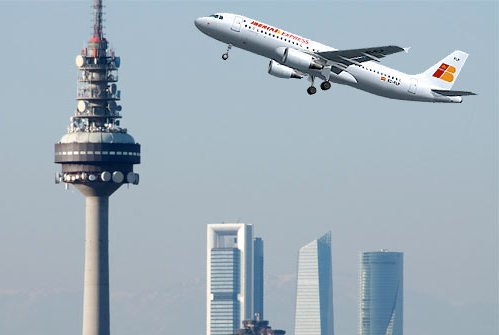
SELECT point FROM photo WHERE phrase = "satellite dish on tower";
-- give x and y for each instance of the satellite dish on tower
(80, 61)
(82, 106)
(112, 106)
(106, 176)
(118, 177)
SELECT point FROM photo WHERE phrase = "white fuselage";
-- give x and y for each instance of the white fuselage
(270, 42)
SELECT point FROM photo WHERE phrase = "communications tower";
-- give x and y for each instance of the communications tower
(97, 156)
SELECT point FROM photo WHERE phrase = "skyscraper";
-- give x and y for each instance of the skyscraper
(381, 293)
(229, 277)
(314, 289)
(258, 277)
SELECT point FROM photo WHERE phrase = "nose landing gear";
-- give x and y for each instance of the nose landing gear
(225, 56)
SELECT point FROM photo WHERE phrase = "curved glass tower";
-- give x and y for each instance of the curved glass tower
(314, 289)
(381, 293)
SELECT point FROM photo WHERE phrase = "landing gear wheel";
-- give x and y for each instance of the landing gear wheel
(311, 90)
(325, 85)
(225, 56)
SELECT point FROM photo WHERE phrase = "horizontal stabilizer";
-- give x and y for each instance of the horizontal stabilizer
(453, 93)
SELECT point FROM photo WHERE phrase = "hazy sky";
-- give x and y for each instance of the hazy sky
(224, 141)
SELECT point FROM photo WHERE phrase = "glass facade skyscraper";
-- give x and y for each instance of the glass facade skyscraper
(225, 280)
(314, 289)
(258, 273)
(381, 293)
(229, 290)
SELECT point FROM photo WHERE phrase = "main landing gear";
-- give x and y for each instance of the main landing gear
(311, 90)
(325, 85)
(225, 56)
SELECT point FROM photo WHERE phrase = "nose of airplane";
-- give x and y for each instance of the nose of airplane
(200, 23)
(197, 22)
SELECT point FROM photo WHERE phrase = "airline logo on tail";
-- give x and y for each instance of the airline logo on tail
(445, 72)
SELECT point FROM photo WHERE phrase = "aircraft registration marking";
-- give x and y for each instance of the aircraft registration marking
(390, 81)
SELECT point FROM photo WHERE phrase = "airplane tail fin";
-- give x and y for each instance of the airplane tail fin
(444, 74)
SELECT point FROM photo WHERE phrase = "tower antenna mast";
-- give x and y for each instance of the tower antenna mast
(98, 31)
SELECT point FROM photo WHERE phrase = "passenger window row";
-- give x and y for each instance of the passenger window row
(380, 73)
(275, 36)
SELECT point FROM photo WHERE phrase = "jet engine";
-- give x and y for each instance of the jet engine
(282, 71)
(300, 60)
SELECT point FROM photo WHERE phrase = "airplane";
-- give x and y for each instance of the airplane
(294, 56)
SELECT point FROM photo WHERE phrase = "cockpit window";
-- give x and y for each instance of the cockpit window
(216, 16)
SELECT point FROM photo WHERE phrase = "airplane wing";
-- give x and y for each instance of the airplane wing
(341, 59)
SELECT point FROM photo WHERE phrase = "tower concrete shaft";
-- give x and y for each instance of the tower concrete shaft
(97, 156)
(96, 284)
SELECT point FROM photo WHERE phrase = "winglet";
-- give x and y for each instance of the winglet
(407, 49)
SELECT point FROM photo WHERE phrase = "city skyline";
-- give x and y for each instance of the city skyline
(224, 141)
(380, 282)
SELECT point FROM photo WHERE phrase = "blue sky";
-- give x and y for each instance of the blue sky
(225, 141)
